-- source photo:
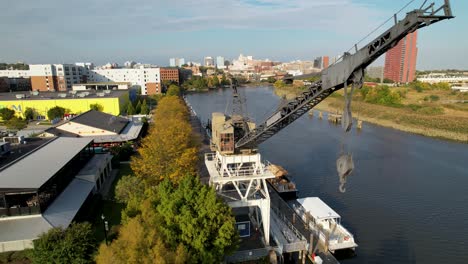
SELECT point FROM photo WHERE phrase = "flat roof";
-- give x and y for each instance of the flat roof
(317, 208)
(39, 166)
(23, 228)
(55, 95)
(65, 207)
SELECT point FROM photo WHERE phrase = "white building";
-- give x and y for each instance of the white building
(243, 63)
(15, 73)
(147, 78)
(176, 62)
(442, 77)
(220, 62)
(208, 61)
(129, 64)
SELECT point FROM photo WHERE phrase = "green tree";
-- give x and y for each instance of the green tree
(29, 113)
(129, 187)
(7, 114)
(130, 109)
(215, 81)
(173, 90)
(138, 107)
(191, 214)
(16, 123)
(97, 107)
(224, 80)
(125, 103)
(55, 112)
(72, 245)
(271, 79)
(144, 108)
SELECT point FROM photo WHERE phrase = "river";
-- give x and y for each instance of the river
(407, 199)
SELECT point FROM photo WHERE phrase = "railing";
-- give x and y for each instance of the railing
(18, 211)
(245, 171)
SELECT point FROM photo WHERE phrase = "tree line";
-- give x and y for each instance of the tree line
(170, 216)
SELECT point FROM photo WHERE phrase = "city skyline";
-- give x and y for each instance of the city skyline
(154, 31)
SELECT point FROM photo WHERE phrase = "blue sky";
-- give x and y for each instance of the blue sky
(152, 31)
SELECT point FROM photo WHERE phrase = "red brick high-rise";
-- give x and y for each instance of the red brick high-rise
(400, 61)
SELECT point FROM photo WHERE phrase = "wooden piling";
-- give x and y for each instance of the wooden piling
(359, 124)
(321, 115)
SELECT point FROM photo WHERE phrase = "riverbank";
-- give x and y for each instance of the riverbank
(416, 114)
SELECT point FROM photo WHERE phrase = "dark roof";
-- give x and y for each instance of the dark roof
(101, 120)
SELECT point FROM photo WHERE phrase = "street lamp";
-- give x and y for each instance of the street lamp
(106, 227)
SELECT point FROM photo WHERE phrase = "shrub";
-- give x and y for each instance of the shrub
(430, 110)
(434, 98)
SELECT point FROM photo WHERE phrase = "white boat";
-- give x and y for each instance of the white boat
(321, 217)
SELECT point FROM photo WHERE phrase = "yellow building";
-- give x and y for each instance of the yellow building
(77, 103)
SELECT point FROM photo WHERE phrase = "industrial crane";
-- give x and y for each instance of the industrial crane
(236, 170)
(348, 71)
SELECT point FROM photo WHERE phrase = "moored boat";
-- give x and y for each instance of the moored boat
(319, 216)
(282, 182)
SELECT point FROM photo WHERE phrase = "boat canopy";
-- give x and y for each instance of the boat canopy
(317, 208)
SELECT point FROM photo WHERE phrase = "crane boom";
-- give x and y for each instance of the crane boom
(348, 71)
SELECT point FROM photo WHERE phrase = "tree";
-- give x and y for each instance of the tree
(215, 81)
(139, 242)
(16, 123)
(224, 81)
(55, 112)
(97, 107)
(138, 107)
(271, 79)
(130, 109)
(191, 214)
(178, 223)
(173, 90)
(72, 245)
(279, 84)
(129, 187)
(7, 114)
(144, 108)
(125, 102)
(170, 149)
(29, 113)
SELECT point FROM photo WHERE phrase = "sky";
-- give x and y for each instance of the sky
(152, 31)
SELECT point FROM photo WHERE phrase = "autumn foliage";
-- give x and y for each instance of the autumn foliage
(169, 150)
(170, 216)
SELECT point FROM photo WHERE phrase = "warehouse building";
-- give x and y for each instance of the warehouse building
(75, 101)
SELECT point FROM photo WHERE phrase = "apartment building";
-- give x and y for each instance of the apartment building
(170, 74)
(147, 78)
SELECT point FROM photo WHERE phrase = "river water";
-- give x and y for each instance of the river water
(407, 199)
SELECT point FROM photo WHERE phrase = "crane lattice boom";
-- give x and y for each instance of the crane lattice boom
(348, 71)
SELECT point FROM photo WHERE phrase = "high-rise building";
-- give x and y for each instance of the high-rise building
(176, 62)
(220, 62)
(208, 62)
(400, 61)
